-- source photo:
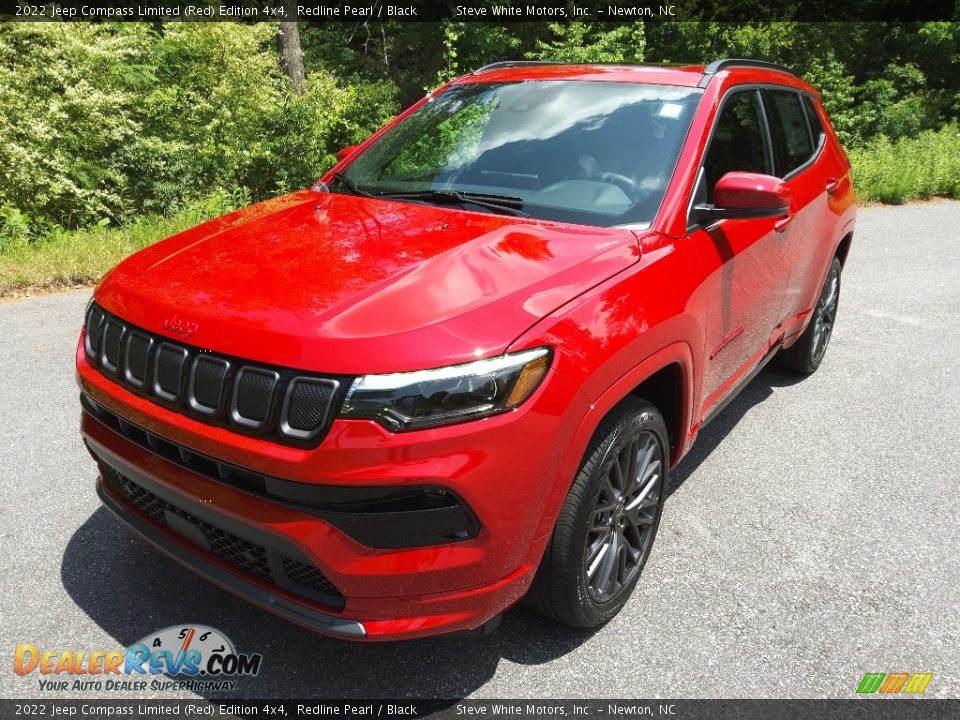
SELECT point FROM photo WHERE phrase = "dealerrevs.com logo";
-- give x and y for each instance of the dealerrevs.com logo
(188, 657)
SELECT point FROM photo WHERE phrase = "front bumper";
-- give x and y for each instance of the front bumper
(297, 612)
(501, 468)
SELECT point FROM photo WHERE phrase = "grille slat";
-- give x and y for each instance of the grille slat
(137, 358)
(306, 407)
(112, 344)
(253, 396)
(246, 397)
(207, 383)
(168, 373)
(94, 330)
(244, 555)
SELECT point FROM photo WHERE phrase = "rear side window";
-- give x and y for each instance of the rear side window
(789, 132)
(738, 141)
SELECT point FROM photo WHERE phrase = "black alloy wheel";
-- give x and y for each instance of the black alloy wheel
(806, 354)
(625, 513)
(607, 525)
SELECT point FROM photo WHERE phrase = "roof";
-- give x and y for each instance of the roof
(682, 75)
(687, 76)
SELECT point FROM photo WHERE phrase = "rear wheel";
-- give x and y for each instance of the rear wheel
(609, 520)
(806, 354)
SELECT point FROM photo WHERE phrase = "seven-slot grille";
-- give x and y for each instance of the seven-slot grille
(247, 397)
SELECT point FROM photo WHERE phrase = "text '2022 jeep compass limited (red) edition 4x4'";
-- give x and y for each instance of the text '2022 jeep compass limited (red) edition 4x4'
(456, 371)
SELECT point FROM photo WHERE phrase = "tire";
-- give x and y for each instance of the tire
(806, 354)
(616, 501)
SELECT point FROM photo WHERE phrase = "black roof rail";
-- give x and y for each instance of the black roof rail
(514, 63)
(717, 65)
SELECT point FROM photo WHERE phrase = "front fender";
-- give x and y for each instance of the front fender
(616, 336)
(676, 353)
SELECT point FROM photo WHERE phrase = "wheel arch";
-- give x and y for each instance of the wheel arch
(664, 389)
(843, 249)
(666, 380)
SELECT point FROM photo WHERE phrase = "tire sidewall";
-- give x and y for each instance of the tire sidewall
(813, 362)
(634, 421)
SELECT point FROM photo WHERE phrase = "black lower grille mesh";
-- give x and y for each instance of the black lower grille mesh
(149, 504)
(307, 576)
(246, 556)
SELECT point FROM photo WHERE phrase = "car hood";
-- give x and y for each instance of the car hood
(343, 284)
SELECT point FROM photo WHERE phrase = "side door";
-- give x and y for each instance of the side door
(742, 259)
(797, 140)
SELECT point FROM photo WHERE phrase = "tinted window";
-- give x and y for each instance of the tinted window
(595, 153)
(737, 143)
(816, 127)
(792, 145)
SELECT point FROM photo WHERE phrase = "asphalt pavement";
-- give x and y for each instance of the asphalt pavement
(812, 535)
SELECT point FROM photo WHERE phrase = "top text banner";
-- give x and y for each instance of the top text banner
(494, 11)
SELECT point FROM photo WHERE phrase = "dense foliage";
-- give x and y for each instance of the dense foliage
(107, 123)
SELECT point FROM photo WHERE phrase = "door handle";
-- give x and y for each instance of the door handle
(781, 224)
(832, 185)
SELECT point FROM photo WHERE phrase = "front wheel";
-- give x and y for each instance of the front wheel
(608, 522)
(806, 354)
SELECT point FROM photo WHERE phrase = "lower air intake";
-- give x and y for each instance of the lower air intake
(244, 555)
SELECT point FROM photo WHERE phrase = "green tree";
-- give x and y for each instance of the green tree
(579, 42)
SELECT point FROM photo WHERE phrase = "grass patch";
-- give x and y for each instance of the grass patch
(70, 258)
(915, 168)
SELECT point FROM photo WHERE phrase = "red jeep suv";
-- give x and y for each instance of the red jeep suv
(455, 372)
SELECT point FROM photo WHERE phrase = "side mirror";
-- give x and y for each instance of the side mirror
(346, 152)
(746, 195)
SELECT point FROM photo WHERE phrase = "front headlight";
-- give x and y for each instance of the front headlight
(453, 394)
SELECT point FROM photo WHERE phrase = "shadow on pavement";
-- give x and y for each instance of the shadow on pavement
(758, 390)
(130, 589)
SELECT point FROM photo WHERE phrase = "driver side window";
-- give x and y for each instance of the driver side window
(738, 143)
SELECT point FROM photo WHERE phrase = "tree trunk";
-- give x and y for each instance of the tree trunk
(288, 45)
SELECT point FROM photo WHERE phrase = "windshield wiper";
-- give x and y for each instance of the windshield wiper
(497, 203)
(352, 186)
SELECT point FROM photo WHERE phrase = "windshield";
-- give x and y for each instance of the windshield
(593, 153)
